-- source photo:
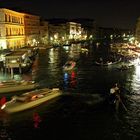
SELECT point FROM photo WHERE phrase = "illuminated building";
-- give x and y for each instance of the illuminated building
(74, 30)
(18, 29)
(32, 24)
(12, 34)
(44, 33)
(88, 26)
(64, 31)
(57, 32)
(137, 31)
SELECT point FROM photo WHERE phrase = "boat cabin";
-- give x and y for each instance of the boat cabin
(17, 59)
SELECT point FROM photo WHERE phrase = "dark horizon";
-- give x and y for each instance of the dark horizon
(116, 14)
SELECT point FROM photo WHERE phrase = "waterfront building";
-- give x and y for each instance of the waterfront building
(32, 27)
(88, 27)
(57, 33)
(74, 30)
(115, 35)
(63, 31)
(44, 33)
(12, 33)
(137, 30)
(18, 29)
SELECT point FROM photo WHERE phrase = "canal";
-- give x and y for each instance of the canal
(82, 112)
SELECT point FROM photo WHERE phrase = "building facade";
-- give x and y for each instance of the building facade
(137, 30)
(12, 33)
(74, 30)
(44, 33)
(57, 33)
(32, 29)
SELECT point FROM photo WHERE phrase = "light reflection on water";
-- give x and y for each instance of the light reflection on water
(78, 114)
(136, 80)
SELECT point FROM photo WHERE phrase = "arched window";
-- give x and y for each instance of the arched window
(10, 31)
(9, 18)
(6, 31)
(21, 21)
(5, 17)
(0, 31)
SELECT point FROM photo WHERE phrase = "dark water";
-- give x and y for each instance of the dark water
(82, 112)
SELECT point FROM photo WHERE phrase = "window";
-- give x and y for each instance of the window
(5, 18)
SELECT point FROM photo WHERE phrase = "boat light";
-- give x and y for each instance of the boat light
(55, 89)
(3, 106)
(13, 61)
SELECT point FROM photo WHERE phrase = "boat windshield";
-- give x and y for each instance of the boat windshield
(23, 99)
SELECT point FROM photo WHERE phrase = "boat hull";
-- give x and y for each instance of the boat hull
(17, 87)
(70, 67)
(17, 106)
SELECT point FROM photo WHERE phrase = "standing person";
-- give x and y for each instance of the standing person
(112, 97)
(115, 93)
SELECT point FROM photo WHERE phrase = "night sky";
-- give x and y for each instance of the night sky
(106, 13)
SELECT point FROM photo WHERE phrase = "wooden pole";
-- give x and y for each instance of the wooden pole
(12, 73)
(20, 70)
(123, 105)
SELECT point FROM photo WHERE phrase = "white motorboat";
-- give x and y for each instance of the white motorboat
(30, 99)
(12, 86)
(69, 65)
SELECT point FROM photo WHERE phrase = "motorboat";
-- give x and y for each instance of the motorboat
(69, 65)
(12, 86)
(30, 99)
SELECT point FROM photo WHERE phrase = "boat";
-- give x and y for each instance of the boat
(12, 86)
(69, 65)
(107, 63)
(103, 64)
(29, 100)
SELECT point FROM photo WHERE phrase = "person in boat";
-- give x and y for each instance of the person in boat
(115, 92)
(101, 60)
(115, 96)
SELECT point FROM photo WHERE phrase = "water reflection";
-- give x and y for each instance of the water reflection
(4, 127)
(70, 80)
(53, 55)
(136, 80)
(66, 80)
(36, 120)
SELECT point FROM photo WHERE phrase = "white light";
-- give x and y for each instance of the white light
(56, 36)
(34, 40)
(13, 61)
(3, 44)
(3, 106)
(51, 38)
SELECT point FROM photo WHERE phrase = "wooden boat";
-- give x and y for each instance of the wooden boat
(107, 63)
(103, 64)
(69, 65)
(30, 99)
(12, 86)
